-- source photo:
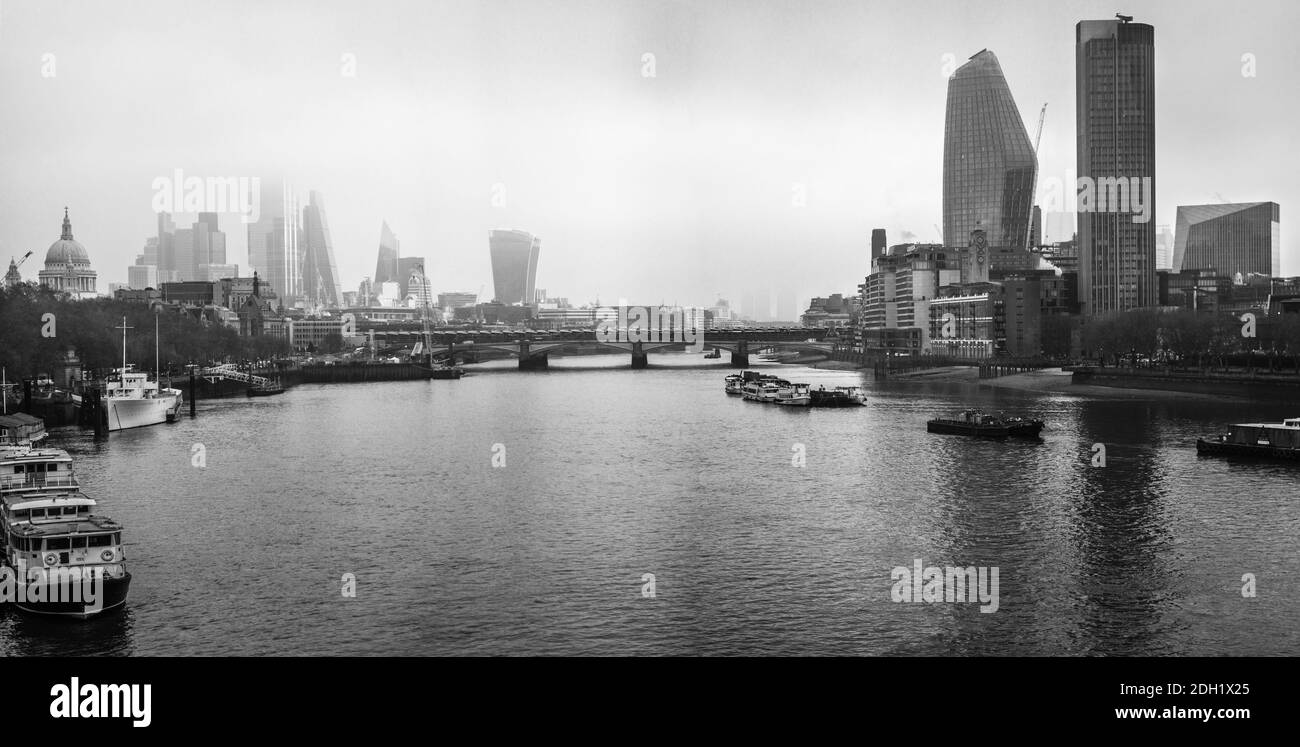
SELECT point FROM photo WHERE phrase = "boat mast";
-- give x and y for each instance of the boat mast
(156, 378)
(124, 328)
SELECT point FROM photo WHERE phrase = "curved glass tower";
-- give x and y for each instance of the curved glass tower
(988, 161)
(514, 265)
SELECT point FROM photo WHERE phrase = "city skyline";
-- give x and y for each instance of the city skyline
(703, 162)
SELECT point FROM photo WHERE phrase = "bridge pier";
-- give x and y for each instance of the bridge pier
(740, 357)
(639, 358)
(539, 362)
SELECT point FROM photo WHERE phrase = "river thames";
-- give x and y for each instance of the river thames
(519, 513)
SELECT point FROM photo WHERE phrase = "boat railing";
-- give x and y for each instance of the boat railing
(36, 480)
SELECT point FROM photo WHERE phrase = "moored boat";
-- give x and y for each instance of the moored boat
(794, 395)
(131, 400)
(981, 424)
(840, 396)
(68, 560)
(1268, 440)
(734, 384)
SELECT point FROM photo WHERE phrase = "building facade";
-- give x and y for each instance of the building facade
(1115, 107)
(320, 272)
(273, 241)
(988, 161)
(1236, 238)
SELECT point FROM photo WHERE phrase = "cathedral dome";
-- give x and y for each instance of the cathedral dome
(66, 251)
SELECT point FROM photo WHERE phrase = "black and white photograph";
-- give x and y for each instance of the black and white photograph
(761, 329)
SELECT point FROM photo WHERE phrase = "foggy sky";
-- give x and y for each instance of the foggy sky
(675, 188)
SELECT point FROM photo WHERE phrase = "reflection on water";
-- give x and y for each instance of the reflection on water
(605, 475)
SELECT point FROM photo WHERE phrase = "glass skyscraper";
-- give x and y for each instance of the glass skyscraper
(273, 241)
(319, 271)
(1232, 238)
(1115, 99)
(988, 160)
(514, 265)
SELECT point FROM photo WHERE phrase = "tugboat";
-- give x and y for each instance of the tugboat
(840, 396)
(714, 353)
(446, 372)
(980, 424)
(68, 560)
(1270, 440)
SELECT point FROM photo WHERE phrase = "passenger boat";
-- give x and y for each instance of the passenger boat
(734, 384)
(69, 559)
(980, 424)
(1270, 440)
(840, 396)
(795, 395)
(132, 400)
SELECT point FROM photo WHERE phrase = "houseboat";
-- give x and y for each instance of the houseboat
(53, 542)
(1271, 440)
(981, 424)
(21, 429)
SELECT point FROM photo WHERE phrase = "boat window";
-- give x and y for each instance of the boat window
(83, 509)
(78, 543)
(69, 510)
(117, 538)
(54, 468)
(18, 468)
(38, 513)
(99, 540)
(23, 513)
(57, 543)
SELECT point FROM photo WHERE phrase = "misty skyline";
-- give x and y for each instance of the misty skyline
(678, 187)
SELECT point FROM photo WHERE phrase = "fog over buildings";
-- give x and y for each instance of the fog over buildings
(665, 151)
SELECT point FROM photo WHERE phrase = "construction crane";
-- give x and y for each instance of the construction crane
(1038, 138)
(21, 261)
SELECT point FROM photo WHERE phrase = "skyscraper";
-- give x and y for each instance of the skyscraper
(877, 242)
(1233, 238)
(988, 160)
(273, 241)
(1115, 96)
(320, 274)
(514, 265)
(386, 266)
(405, 265)
(166, 252)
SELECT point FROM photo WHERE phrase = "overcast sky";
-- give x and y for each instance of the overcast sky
(676, 187)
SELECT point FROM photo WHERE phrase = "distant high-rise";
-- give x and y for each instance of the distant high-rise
(320, 274)
(1115, 95)
(1036, 228)
(273, 241)
(878, 242)
(1232, 238)
(166, 251)
(988, 160)
(514, 265)
(386, 267)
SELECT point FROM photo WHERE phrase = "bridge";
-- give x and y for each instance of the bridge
(533, 347)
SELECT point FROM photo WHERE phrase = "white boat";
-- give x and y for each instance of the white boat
(795, 395)
(735, 384)
(132, 400)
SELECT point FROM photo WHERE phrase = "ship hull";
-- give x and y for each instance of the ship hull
(126, 413)
(1221, 448)
(957, 428)
(114, 597)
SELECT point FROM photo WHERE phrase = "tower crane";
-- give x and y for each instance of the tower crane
(1038, 137)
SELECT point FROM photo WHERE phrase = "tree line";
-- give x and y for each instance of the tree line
(39, 326)
(1187, 338)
